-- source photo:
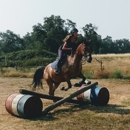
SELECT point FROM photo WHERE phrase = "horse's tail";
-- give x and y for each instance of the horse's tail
(38, 77)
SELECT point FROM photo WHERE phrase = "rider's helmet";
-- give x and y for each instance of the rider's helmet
(74, 30)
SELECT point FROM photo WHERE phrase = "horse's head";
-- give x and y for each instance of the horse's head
(85, 50)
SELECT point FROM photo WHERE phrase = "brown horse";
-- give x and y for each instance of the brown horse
(71, 68)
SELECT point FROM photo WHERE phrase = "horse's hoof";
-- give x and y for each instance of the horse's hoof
(66, 89)
(63, 88)
(77, 85)
(87, 82)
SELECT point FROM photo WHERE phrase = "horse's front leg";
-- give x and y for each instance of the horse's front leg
(69, 86)
(83, 81)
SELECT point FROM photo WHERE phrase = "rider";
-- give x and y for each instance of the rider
(67, 48)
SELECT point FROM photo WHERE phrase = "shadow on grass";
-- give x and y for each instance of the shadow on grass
(47, 117)
(110, 108)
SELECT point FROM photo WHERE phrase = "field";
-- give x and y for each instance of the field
(114, 116)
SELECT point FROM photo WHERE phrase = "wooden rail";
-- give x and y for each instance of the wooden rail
(58, 103)
(60, 99)
(24, 91)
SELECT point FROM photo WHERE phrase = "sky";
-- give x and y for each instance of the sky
(110, 16)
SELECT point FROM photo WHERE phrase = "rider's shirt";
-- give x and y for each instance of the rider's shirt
(71, 41)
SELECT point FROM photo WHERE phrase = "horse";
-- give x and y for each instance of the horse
(71, 68)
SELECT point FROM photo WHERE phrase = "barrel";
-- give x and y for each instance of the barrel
(85, 96)
(26, 106)
(96, 95)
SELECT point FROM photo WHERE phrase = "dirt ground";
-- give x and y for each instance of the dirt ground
(119, 93)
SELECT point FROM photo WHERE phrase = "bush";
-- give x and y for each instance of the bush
(117, 74)
(102, 74)
(126, 77)
(27, 58)
(88, 75)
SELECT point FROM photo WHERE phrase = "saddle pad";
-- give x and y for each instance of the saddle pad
(53, 64)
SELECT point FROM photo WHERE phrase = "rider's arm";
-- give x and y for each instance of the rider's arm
(64, 47)
(66, 40)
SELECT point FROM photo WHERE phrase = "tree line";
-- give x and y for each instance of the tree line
(49, 36)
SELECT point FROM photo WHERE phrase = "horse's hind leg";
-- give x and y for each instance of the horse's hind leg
(55, 86)
(52, 86)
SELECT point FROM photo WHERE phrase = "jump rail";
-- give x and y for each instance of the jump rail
(58, 103)
(60, 99)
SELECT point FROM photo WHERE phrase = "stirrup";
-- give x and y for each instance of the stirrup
(57, 71)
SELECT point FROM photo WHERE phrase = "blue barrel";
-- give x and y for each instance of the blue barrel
(97, 96)
(26, 106)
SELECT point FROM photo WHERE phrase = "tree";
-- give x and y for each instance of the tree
(11, 42)
(122, 46)
(106, 45)
(38, 36)
(69, 25)
(54, 27)
(91, 34)
(28, 42)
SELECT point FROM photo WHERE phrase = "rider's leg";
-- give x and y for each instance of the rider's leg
(58, 67)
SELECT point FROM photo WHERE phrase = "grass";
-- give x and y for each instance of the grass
(126, 102)
(114, 116)
(113, 66)
(13, 72)
(88, 118)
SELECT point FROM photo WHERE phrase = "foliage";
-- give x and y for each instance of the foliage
(10, 42)
(102, 74)
(49, 36)
(117, 74)
(88, 75)
(27, 58)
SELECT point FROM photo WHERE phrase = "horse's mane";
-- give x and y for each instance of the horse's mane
(79, 43)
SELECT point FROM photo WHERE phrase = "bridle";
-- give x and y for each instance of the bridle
(88, 55)
(83, 52)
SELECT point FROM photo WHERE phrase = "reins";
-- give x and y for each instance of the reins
(83, 60)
